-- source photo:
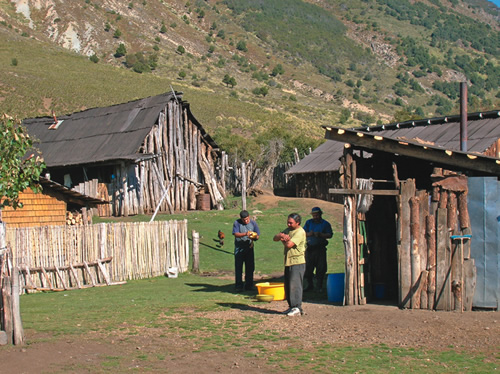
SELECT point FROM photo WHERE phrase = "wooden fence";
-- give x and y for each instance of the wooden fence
(61, 257)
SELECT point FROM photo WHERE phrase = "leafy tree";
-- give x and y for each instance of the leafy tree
(13, 62)
(181, 49)
(221, 34)
(182, 74)
(278, 70)
(120, 51)
(117, 34)
(19, 167)
(345, 115)
(242, 46)
(94, 58)
(261, 91)
(163, 28)
(229, 81)
(107, 27)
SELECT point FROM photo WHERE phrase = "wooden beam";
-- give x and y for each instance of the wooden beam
(457, 159)
(353, 191)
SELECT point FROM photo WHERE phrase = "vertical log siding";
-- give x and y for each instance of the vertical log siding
(138, 249)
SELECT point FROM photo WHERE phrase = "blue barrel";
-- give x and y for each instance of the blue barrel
(379, 291)
(335, 287)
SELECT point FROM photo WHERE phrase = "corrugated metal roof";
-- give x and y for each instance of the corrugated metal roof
(100, 134)
(483, 129)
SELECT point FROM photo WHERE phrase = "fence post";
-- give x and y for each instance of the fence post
(244, 186)
(16, 308)
(196, 252)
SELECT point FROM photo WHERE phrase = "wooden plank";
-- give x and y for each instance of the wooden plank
(354, 191)
(414, 251)
(457, 261)
(469, 283)
(73, 271)
(407, 191)
(104, 272)
(61, 278)
(423, 213)
(86, 266)
(47, 277)
(430, 236)
(443, 288)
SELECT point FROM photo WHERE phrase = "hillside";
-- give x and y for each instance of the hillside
(254, 70)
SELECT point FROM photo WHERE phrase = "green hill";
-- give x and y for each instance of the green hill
(256, 70)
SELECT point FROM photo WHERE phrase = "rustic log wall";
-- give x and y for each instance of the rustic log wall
(138, 250)
(183, 164)
(433, 233)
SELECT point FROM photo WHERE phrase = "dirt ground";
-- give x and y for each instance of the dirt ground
(323, 322)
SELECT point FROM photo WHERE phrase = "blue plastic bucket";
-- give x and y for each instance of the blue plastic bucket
(335, 287)
(379, 291)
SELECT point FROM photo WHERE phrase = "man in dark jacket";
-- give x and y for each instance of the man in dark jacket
(246, 232)
(318, 231)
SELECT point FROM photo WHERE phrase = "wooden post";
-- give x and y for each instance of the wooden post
(414, 250)
(243, 186)
(349, 250)
(430, 235)
(8, 323)
(18, 333)
(443, 288)
(196, 251)
(407, 191)
(423, 213)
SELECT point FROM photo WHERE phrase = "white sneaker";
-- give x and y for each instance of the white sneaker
(294, 312)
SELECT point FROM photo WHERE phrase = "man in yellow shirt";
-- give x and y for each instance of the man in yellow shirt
(294, 243)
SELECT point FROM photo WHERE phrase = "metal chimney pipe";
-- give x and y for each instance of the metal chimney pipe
(463, 116)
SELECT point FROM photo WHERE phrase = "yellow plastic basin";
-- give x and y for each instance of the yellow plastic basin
(275, 289)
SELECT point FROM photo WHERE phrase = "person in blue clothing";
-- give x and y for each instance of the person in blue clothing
(246, 232)
(318, 231)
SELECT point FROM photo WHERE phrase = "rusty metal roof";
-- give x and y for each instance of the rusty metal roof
(101, 134)
(483, 129)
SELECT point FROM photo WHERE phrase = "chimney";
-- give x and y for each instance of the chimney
(463, 116)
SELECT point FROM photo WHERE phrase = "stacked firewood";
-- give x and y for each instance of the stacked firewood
(74, 218)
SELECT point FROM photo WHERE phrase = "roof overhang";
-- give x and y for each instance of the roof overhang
(71, 195)
(465, 161)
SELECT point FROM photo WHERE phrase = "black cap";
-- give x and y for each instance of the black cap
(316, 210)
(244, 214)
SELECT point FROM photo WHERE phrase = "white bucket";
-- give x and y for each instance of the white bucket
(172, 272)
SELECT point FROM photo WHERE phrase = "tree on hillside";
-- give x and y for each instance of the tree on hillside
(120, 51)
(19, 167)
(229, 81)
(278, 70)
(181, 50)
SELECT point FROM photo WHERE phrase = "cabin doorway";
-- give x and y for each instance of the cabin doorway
(381, 259)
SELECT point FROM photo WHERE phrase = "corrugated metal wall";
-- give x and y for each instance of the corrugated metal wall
(484, 211)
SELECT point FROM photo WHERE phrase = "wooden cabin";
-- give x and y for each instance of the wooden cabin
(54, 205)
(144, 156)
(316, 173)
(408, 236)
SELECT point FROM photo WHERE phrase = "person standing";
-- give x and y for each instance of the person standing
(246, 232)
(294, 243)
(318, 231)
